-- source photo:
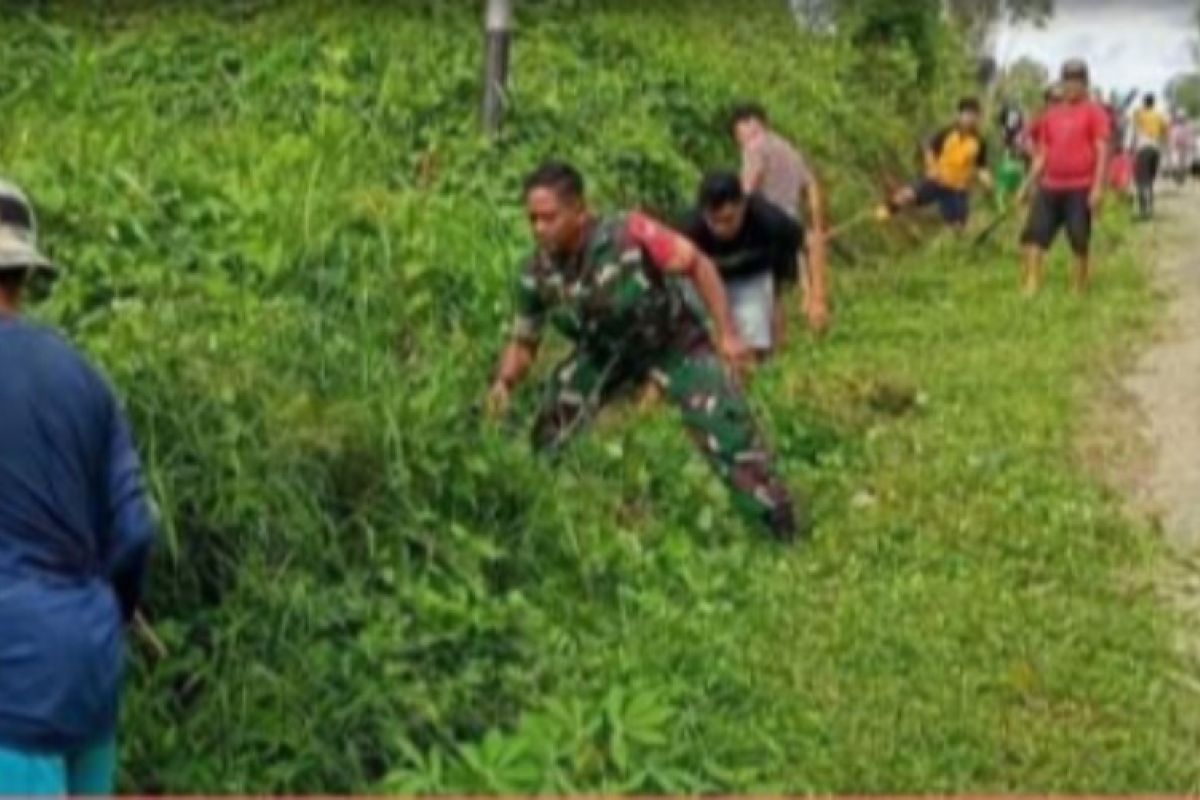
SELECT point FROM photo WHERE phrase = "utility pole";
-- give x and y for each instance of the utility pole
(498, 36)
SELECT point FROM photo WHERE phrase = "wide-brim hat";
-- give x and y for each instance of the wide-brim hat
(18, 233)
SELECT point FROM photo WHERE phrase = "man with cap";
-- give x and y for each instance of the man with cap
(75, 533)
(1071, 149)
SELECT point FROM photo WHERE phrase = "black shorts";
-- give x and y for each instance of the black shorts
(1146, 166)
(953, 204)
(1057, 208)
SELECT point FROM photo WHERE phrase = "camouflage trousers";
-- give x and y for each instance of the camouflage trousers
(713, 408)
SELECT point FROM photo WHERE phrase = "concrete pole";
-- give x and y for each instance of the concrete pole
(498, 36)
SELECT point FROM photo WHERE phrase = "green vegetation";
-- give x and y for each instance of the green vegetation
(292, 252)
(1183, 92)
(1024, 81)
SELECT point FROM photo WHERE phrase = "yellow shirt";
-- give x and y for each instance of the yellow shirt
(1150, 126)
(956, 157)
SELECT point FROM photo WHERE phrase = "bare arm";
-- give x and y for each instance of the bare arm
(931, 158)
(816, 206)
(983, 167)
(753, 170)
(1102, 148)
(817, 273)
(521, 350)
(817, 268)
(1035, 173)
(675, 254)
(515, 361)
(707, 280)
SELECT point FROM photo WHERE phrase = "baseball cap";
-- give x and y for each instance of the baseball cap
(18, 233)
(1075, 68)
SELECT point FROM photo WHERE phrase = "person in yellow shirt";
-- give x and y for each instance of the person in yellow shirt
(955, 157)
(1149, 136)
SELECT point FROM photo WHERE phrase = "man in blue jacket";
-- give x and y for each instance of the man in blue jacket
(75, 533)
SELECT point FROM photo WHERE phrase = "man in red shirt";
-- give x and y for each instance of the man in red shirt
(1071, 147)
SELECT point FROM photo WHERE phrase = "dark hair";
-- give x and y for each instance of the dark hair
(744, 111)
(558, 176)
(1148, 99)
(15, 211)
(718, 189)
(12, 280)
(1075, 69)
(969, 104)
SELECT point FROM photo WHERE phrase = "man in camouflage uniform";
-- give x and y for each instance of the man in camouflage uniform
(603, 284)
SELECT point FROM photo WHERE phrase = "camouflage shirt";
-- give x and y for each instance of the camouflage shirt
(614, 297)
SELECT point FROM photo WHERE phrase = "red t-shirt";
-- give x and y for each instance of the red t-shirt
(1070, 134)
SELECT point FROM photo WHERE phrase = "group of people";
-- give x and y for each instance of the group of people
(619, 286)
(684, 307)
(1157, 142)
(687, 307)
(1058, 164)
(1144, 144)
(76, 522)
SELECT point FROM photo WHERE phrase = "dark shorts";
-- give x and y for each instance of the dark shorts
(1053, 209)
(953, 204)
(1146, 166)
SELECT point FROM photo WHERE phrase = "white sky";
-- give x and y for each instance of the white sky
(1127, 43)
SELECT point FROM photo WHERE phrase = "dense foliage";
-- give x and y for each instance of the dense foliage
(292, 252)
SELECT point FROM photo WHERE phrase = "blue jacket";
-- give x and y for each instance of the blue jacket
(75, 533)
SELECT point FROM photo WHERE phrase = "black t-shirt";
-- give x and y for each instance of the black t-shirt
(768, 242)
(1012, 121)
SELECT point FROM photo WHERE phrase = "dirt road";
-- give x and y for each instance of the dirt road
(1165, 381)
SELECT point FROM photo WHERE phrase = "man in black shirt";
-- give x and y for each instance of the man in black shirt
(756, 246)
